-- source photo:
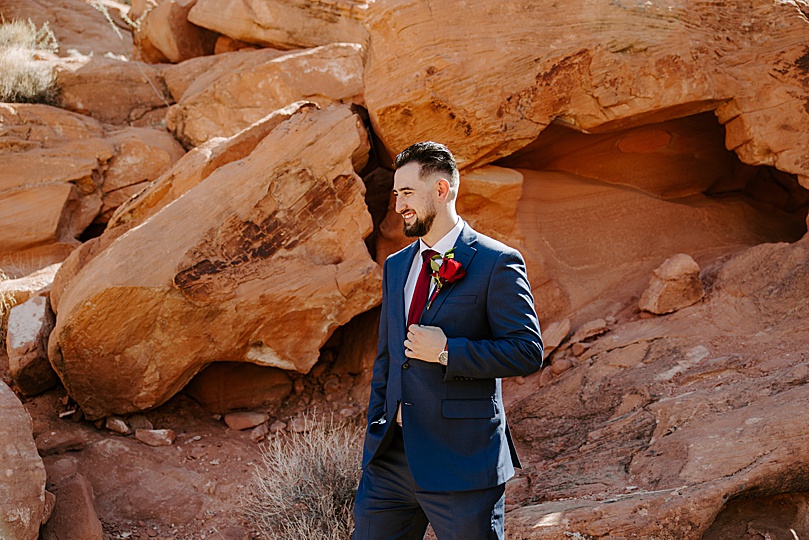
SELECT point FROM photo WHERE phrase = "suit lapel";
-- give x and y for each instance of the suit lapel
(464, 252)
(399, 278)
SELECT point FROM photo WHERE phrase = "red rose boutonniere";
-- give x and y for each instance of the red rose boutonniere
(444, 270)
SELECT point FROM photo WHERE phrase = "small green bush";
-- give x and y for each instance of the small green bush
(306, 485)
(25, 79)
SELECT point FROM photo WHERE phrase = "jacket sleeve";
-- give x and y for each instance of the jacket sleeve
(379, 380)
(515, 347)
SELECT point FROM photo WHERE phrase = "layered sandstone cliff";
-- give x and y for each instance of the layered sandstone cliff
(648, 159)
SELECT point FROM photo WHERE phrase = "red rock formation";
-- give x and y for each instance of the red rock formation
(284, 24)
(234, 94)
(487, 79)
(165, 34)
(665, 420)
(22, 491)
(62, 172)
(278, 247)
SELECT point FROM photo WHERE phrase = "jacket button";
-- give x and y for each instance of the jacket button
(405, 366)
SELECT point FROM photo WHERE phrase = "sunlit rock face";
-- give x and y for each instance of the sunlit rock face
(259, 263)
(598, 213)
(488, 77)
(62, 172)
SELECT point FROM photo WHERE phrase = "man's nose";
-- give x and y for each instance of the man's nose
(400, 206)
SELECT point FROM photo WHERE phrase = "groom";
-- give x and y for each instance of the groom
(457, 315)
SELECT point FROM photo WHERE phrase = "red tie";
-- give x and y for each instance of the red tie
(419, 299)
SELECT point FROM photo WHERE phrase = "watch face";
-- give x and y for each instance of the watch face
(443, 356)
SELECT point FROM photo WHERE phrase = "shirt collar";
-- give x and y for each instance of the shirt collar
(447, 242)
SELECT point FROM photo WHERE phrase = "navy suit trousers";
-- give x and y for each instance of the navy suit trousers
(390, 506)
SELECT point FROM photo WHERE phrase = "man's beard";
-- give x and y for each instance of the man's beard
(421, 226)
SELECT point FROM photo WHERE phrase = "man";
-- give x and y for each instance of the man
(437, 447)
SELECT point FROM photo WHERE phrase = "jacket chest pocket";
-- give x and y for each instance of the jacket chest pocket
(469, 408)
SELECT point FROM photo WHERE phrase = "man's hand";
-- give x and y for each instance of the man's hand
(424, 342)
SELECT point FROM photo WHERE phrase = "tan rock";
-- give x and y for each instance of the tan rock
(553, 335)
(111, 90)
(197, 165)
(226, 386)
(488, 200)
(50, 504)
(118, 425)
(282, 228)
(139, 421)
(58, 442)
(74, 515)
(589, 329)
(234, 99)
(239, 421)
(259, 433)
(29, 325)
(76, 24)
(561, 365)
(48, 192)
(285, 24)
(141, 155)
(21, 289)
(63, 170)
(675, 284)
(199, 73)
(22, 491)
(622, 66)
(643, 429)
(155, 437)
(165, 35)
(225, 44)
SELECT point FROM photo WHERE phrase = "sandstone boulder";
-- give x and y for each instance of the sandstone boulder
(111, 90)
(233, 99)
(74, 515)
(21, 289)
(264, 244)
(284, 24)
(227, 386)
(22, 491)
(29, 325)
(675, 284)
(141, 155)
(666, 422)
(76, 24)
(62, 170)
(166, 35)
(188, 172)
(623, 65)
(48, 190)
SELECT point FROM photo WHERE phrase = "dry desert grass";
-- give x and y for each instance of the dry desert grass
(306, 485)
(26, 79)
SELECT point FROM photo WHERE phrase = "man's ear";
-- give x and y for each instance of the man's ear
(442, 189)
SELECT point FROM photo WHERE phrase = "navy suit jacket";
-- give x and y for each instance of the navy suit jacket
(454, 425)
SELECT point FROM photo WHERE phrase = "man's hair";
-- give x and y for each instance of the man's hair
(432, 157)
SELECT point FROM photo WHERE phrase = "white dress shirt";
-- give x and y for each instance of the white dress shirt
(441, 247)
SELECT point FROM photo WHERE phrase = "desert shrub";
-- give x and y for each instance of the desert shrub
(25, 79)
(306, 483)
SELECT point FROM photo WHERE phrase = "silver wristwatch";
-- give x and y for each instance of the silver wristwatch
(443, 356)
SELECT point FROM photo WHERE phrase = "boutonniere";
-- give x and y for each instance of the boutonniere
(444, 270)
